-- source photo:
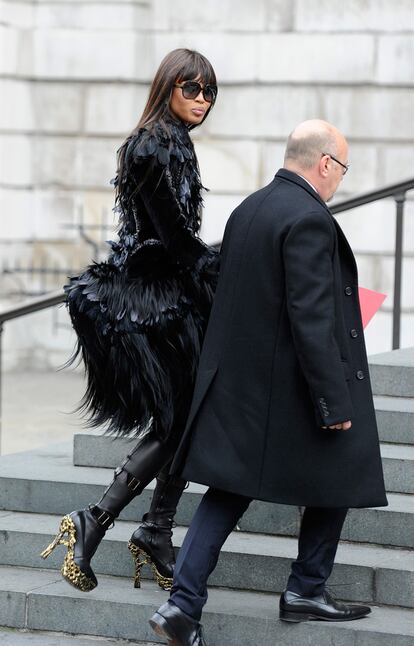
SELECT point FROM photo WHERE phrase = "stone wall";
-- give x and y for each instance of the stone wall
(74, 77)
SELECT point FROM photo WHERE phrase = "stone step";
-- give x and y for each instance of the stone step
(392, 373)
(97, 450)
(92, 449)
(40, 600)
(13, 637)
(248, 561)
(395, 418)
(398, 464)
(45, 481)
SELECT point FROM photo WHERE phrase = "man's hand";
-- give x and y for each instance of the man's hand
(343, 426)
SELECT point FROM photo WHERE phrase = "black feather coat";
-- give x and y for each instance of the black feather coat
(140, 316)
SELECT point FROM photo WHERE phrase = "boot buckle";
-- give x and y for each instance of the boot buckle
(133, 483)
(104, 519)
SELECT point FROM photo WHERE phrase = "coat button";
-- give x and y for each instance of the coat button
(348, 290)
(353, 333)
(360, 375)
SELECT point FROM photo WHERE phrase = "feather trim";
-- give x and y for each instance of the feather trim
(140, 340)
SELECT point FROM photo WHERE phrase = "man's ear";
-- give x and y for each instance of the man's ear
(324, 165)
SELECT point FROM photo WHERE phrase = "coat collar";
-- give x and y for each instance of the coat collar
(288, 175)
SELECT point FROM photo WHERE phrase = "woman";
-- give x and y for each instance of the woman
(140, 319)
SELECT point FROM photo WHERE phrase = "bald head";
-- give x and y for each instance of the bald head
(309, 140)
(309, 151)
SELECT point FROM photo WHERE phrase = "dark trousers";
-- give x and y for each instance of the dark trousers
(216, 517)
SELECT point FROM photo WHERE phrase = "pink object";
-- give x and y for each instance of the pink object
(370, 303)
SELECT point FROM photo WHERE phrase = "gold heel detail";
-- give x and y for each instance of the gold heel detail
(141, 558)
(70, 571)
(164, 582)
(57, 541)
(136, 553)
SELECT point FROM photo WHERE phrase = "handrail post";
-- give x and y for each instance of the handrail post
(396, 315)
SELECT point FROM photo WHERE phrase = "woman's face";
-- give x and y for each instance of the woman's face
(190, 111)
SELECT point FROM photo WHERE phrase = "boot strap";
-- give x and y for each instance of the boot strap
(102, 517)
(133, 483)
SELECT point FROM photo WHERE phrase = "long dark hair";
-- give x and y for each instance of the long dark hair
(177, 66)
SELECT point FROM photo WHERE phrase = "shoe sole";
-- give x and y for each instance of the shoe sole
(160, 627)
(296, 617)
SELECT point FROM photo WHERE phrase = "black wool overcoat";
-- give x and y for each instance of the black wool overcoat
(283, 356)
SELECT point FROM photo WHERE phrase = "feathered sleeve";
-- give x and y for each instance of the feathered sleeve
(149, 161)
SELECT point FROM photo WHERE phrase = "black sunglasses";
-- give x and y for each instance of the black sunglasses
(344, 166)
(191, 90)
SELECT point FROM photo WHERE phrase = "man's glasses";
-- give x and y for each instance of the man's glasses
(344, 166)
(191, 90)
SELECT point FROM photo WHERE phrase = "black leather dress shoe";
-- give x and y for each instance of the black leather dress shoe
(293, 607)
(177, 627)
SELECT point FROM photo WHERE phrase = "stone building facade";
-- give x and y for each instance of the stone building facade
(74, 79)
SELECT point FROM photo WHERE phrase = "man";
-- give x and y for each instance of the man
(282, 408)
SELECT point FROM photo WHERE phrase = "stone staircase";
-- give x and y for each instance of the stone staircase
(375, 561)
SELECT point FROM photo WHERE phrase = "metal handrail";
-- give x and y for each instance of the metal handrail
(58, 296)
(33, 305)
(373, 196)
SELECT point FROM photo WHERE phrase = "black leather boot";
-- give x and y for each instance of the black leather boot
(82, 531)
(175, 625)
(151, 543)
